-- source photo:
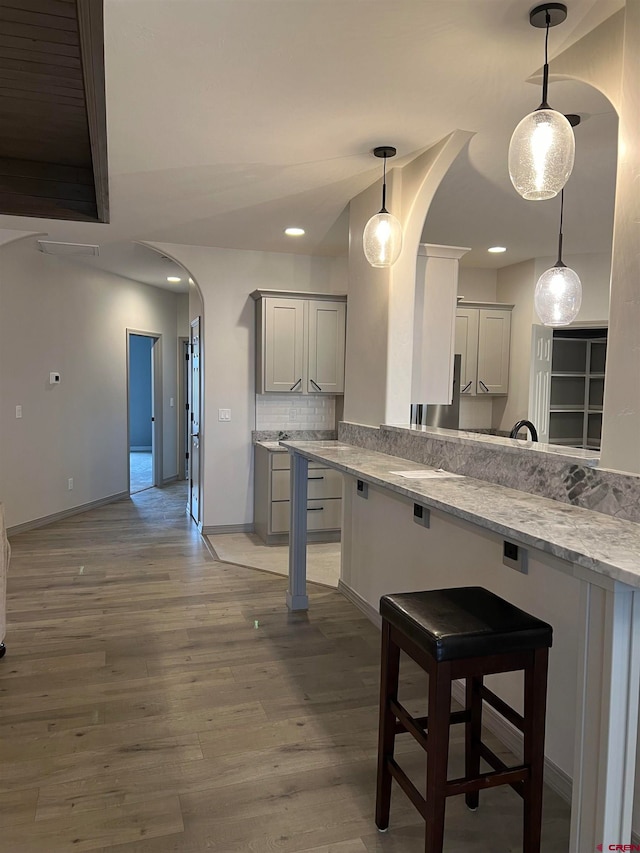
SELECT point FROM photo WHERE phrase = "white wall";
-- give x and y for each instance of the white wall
(225, 278)
(57, 316)
(477, 285)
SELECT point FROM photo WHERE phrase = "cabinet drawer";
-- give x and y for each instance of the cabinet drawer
(281, 462)
(322, 483)
(321, 515)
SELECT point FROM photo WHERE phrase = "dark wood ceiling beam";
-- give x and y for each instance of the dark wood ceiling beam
(63, 8)
(45, 69)
(57, 60)
(9, 96)
(53, 148)
(38, 18)
(38, 35)
(28, 45)
(91, 29)
(65, 152)
(45, 171)
(10, 185)
(47, 208)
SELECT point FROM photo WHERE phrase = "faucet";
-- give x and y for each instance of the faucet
(517, 427)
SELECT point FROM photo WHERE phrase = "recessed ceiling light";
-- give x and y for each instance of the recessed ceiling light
(173, 278)
(497, 249)
(294, 232)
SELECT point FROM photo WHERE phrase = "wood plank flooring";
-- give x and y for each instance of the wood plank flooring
(154, 700)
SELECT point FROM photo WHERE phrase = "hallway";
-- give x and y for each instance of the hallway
(157, 701)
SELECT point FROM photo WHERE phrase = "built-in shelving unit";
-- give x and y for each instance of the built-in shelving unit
(577, 387)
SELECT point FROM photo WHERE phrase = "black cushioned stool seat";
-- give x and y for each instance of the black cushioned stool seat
(462, 633)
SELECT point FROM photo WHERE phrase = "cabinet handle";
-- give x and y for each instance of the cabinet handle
(295, 384)
(315, 478)
(483, 385)
(468, 385)
(315, 508)
(315, 384)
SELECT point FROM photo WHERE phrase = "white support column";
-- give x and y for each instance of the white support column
(606, 718)
(297, 598)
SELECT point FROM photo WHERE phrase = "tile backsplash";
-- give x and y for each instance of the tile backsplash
(288, 412)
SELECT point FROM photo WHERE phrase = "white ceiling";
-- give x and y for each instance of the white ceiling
(229, 120)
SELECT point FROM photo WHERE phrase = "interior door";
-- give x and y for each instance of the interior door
(194, 411)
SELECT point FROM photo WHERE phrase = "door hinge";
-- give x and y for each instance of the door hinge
(186, 405)
(186, 455)
(186, 356)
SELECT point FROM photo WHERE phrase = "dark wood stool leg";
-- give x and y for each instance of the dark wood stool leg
(535, 704)
(472, 735)
(437, 755)
(389, 670)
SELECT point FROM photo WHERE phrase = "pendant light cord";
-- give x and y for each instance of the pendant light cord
(559, 261)
(384, 185)
(545, 74)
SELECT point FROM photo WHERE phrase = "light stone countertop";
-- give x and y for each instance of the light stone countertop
(510, 445)
(275, 446)
(593, 540)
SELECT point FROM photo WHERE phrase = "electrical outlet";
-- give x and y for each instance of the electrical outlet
(18, 411)
(70, 484)
(293, 414)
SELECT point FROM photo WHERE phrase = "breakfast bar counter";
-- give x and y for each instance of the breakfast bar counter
(590, 558)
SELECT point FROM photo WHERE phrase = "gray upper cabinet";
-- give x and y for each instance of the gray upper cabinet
(483, 337)
(300, 342)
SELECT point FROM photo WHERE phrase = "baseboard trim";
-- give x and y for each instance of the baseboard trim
(65, 513)
(510, 737)
(168, 480)
(355, 598)
(142, 448)
(213, 529)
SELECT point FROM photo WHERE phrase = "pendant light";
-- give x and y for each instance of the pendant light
(558, 293)
(382, 236)
(542, 147)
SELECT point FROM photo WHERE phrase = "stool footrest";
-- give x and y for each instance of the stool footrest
(407, 786)
(421, 723)
(502, 708)
(510, 776)
(493, 761)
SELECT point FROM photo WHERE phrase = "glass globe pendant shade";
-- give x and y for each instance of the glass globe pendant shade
(558, 296)
(541, 154)
(382, 239)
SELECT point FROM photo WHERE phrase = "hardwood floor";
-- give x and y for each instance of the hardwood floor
(153, 700)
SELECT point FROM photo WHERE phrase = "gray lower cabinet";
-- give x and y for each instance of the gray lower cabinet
(271, 499)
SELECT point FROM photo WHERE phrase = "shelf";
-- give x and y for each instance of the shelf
(596, 375)
(556, 409)
(568, 373)
(568, 442)
(595, 410)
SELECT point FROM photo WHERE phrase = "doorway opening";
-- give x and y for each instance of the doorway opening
(144, 411)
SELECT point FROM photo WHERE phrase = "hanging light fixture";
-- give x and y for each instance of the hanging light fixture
(382, 236)
(558, 293)
(542, 146)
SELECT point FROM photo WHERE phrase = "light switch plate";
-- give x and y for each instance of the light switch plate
(224, 414)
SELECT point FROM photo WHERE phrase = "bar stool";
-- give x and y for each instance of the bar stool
(467, 633)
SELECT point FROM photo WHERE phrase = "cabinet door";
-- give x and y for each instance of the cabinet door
(283, 343)
(467, 346)
(327, 322)
(494, 337)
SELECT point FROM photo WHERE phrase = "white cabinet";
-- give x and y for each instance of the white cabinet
(272, 505)
(300, 342)
(483, 337)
